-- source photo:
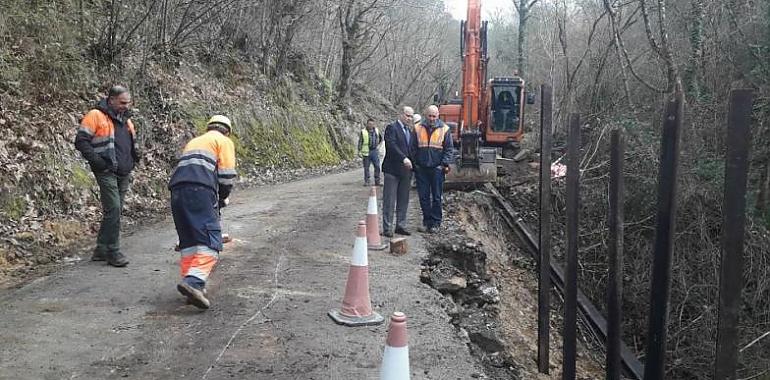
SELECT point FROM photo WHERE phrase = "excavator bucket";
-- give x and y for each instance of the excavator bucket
(474, 173)
(471, 175)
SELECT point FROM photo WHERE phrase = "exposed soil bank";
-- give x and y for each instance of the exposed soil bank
(477, 263)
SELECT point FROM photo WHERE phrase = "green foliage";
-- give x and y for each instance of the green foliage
(199, 123)
(10, 72)
(13, 206)
(81, 178)
(286, 139)
(291, 136)
(711, 170)
(48, 56)
(643, 133)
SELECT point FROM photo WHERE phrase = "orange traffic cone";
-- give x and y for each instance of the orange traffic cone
(395, 359)
(357, 306)
(373, 223)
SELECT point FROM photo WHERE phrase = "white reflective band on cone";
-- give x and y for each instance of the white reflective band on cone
(372, 207)
(360, 253)
(395, 364)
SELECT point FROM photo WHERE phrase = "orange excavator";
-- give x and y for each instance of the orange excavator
(489, 118)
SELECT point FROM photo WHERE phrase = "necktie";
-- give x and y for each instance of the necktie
(406, 134)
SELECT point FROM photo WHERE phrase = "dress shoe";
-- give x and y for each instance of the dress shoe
(402, 231)
(387, 234)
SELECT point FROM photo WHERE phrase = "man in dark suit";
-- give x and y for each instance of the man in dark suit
(397, 167)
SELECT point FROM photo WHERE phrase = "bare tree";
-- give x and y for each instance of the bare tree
(692, 72)
(523, 7)
(662, 48)
(361, 27)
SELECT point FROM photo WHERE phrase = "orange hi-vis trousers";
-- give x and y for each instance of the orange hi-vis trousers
(196, 218)
(198, 261)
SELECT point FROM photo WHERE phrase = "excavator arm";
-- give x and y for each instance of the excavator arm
(475, 164)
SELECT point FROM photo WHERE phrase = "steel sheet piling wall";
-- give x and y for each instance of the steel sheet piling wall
(733, 225)
(664, 239)
(544, 277)
(615, 280)
(570, 284)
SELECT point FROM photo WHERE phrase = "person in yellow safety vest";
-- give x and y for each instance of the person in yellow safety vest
(369, 142)
(200, 186)
(433, 153)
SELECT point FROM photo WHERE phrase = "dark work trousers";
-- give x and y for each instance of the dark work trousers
(395, 195)
(112, 192)
(430, 187)
(196, 217)
(372, 159)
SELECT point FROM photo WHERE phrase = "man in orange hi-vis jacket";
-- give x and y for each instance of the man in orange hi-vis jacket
(107, 140)
(200, 185)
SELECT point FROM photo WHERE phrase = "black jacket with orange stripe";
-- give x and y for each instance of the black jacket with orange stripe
(96, 140)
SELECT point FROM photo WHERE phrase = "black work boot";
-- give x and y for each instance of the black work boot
(117, 259)
(194, 296)
(98, 256)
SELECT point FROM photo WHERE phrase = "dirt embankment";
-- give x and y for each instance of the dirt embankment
(476, 261)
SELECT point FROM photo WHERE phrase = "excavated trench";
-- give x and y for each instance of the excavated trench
(476, 262)
(457, 269)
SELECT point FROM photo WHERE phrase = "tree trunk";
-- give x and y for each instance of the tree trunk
(343, 84)
(521, 53)
(618, 50)
(692, 73)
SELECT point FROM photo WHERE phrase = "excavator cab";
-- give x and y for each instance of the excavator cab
(505, 111)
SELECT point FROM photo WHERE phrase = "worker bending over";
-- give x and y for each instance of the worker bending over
(200, 185)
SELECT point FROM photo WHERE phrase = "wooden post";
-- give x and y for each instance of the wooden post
(733, 229)
(654, 368)
(570, 283)
(615, 280)
(544, 273)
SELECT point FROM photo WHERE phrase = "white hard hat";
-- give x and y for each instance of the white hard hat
(221, 120)
(416, 118)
